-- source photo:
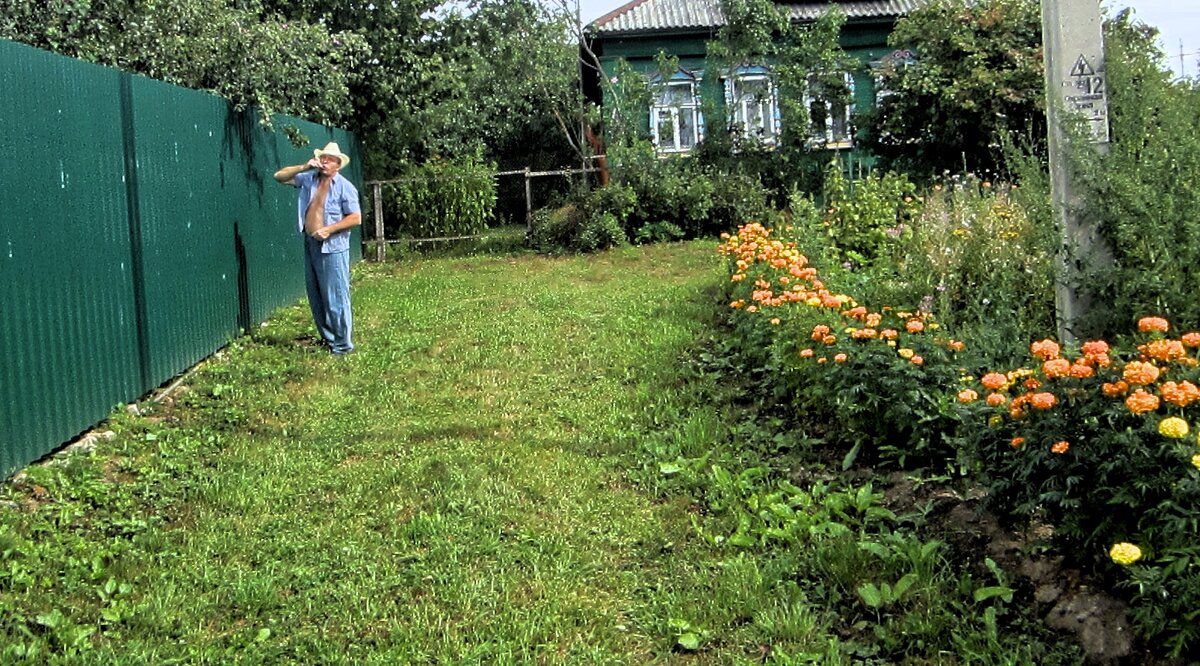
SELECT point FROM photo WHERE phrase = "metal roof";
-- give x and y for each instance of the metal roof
(671, 15)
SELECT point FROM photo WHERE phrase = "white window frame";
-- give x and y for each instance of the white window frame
(828, 135)
(768, 127)
(664, 105)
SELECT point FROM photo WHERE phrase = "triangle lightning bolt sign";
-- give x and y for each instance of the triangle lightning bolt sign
(1082, 68)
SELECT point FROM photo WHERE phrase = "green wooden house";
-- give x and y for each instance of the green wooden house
(642, 29)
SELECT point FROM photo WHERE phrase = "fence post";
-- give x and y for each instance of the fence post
(528, 201)
(380, 245)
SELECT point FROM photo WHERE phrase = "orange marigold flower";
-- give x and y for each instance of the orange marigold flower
(967, 396)
(1056, 368)
(1140, 374)
(1043, 400)
(1045, 349)
(752, 308)
(873, 319)
(957, 345)
(1081, 371)
(1191, 339)
(806, 353)
(822, 360)
(1140, 402)
(914, 326)
(996, 399)
(820, 331)
(864, 334)
(1180, 394)
(1164, 350)
(1017, 442)
(889, 334)
(994, 381)
(840, 358)
(1114, 390)
(856, 313)
(1032, 384)
(829, 339)
(1094, 348)
(737, 277)
(1153, 324)
(1060, 447)
(917, 360)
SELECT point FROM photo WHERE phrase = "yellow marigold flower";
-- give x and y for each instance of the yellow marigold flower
(1153, 324)
(1060, 448)
(1196, 461)
(1173, 427)
(814, 302)
(995, 421)
(775, 321)
(994, 381)
(966, 396)
(905, 352)
(1140, 402)
(1125, 553)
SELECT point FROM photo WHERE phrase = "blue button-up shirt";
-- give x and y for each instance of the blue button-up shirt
(342, 201)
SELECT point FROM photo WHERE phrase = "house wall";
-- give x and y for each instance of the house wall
(866, 41)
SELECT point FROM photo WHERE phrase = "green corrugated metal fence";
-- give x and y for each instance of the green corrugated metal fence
(140, 229)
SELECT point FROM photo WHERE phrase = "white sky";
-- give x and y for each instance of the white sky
(1178, 21)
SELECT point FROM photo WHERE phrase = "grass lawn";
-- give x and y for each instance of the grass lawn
(454, 492)
(527, 461)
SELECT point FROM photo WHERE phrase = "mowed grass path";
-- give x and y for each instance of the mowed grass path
(454, 492)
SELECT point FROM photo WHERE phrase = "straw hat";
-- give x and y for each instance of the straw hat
(332, 149)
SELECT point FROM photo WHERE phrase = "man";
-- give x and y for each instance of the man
(328, 209)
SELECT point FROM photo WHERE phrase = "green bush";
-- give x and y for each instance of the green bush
(979, 255)
(441, 198)
(572, 229)
(864, 217)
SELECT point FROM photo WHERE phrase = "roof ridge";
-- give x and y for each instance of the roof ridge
(627, 7)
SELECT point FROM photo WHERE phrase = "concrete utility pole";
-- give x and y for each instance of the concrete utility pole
(1076, 87)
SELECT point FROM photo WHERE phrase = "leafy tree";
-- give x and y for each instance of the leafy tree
(233, 49)
(976, 85)
(1145, 193)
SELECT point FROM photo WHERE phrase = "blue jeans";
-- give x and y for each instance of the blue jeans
(327, 279)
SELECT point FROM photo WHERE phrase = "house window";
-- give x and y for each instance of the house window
(754, 105)
(886, 67)
(830, 109)
(675, 118)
